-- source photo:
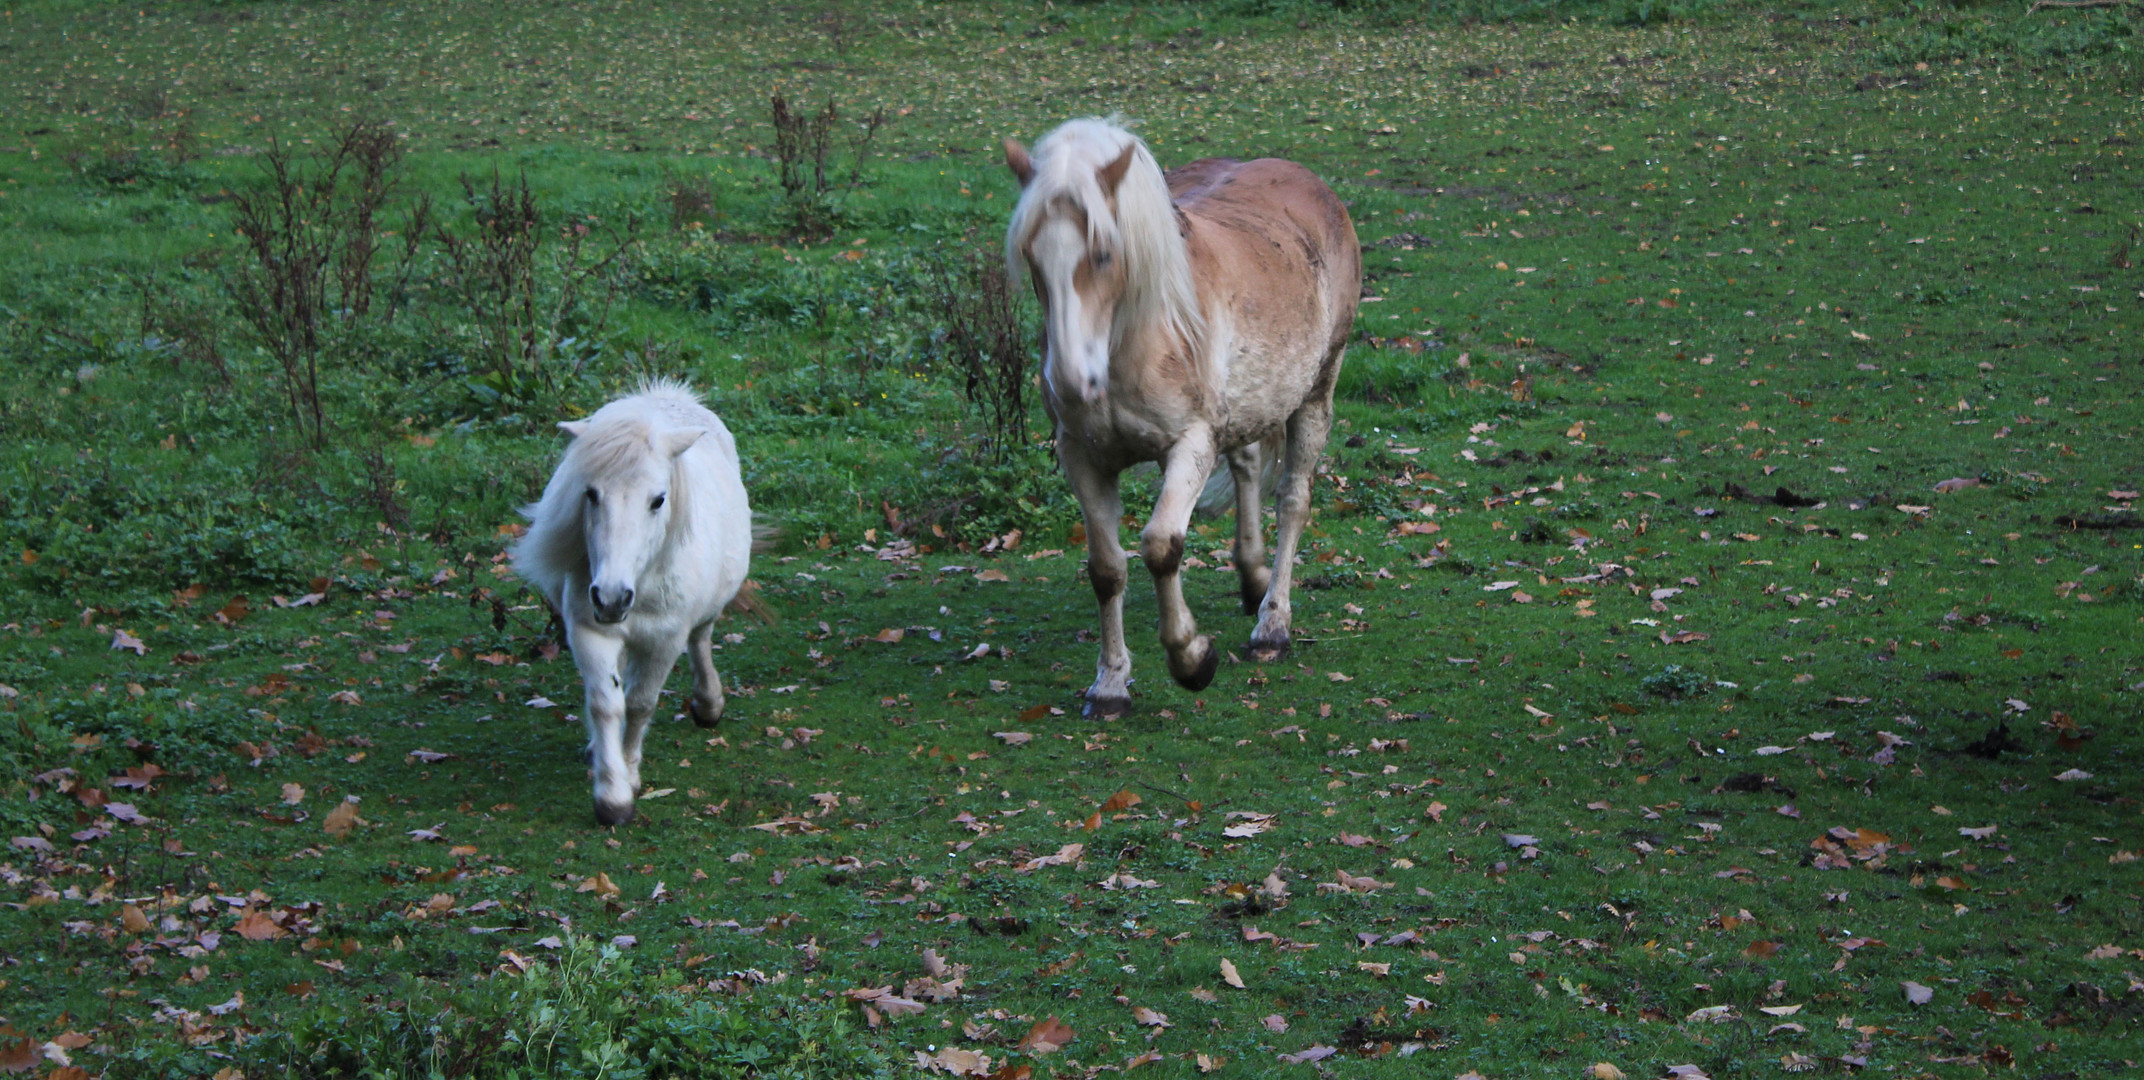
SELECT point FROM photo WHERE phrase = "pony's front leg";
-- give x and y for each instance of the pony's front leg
(1246, 466)
(1307, 430)
(645, 674)
(706, 705)
(597, 656)
(1103, 512)
(1183, 474)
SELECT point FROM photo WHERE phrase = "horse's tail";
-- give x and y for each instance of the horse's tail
(1220, 491)
(764, 537)
(748, 603)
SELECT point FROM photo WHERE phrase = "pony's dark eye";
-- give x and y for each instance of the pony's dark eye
(1101, 258)
(592, 500)
(657, 504)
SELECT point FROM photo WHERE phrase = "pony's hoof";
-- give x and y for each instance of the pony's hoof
(705, 716)
(609, 814)
(1107, 706)
(1268, 650)
(1196, 675)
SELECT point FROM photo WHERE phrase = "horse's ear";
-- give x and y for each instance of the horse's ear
(1016, 159)
(573, 428)
(1112, 174)
(681, 440)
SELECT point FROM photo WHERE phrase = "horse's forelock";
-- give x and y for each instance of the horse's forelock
(1158, 282)
(609, 449)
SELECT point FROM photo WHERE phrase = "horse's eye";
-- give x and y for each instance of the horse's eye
(657, 504)
(592, 500)
(1101, 258)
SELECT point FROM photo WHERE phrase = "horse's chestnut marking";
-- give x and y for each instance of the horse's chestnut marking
(1169, 560)
(1108, 581)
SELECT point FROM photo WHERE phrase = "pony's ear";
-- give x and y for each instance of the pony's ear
(1112, 174)
(681, 440)
(574, 429)
(1016, 159)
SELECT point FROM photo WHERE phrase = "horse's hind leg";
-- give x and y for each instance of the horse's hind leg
(1307, 430)
(1246, 466)
(1191, 654)
(1103, 512)
(706, 704)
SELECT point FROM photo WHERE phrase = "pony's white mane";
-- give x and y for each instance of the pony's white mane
(619, 433)
(1158, 285)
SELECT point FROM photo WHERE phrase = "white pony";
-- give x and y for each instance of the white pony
(641, 539)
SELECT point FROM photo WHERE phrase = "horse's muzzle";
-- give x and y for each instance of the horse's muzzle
(610, 610)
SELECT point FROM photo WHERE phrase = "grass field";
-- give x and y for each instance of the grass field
(1720, 636)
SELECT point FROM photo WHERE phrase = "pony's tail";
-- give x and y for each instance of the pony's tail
(748, 603)
(1220, 491)
(764, 537)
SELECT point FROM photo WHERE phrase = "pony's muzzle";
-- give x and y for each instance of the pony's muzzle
(610, 608)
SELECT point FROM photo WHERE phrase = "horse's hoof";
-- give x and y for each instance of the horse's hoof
(1103, 708)
(705, 717)
(1199, 673)
(609, 814)
(1268, 650)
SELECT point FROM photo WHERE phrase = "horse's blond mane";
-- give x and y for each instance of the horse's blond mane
(1157, 264)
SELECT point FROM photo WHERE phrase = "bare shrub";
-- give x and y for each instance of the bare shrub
(986, 338)
(524, 300)
(183, 327)
(692, 200)
(311, 237)
(804, 148)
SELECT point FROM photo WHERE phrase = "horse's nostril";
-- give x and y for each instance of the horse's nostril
(626, 600)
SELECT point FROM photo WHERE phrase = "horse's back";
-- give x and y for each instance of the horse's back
(1275, 249)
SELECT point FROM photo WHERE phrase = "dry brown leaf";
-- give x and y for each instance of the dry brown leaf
(132, 918)
(1229, 975)
(255, 925)
(1048, 1036)
(341, 820)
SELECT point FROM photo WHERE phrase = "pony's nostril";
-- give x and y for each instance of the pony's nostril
(626, 599)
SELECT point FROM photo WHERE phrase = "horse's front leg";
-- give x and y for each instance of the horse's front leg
(706, 705)
(1103, 510)
(1246, 466)
(1307, 430)
(645, 674)
(1183, 474)
(597, 656)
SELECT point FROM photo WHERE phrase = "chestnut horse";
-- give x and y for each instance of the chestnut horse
(1190, 317)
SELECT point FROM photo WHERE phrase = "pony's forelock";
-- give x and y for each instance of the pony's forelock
(1158, 285)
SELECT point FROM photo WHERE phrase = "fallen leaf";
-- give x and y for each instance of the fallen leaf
(1275, 1023)
(342, 819)
(1306, 1056)
(1229, 974)
(1013, 738)
(601, 885)
(293, 794)
(1604, 1071)
(1958, 483)
(1916, 994)
(1145, 1017)
(255, 925)
(1048, 1036)
(132, 918)
(121, 640)
(2069, 776)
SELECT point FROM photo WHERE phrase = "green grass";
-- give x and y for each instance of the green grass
(1630, 276)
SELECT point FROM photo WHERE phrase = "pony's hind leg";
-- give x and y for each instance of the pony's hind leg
(1307, 430)
(1246, 466)
(597, 656)
(706, 704)
(1192, 657)
(1103, 510)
